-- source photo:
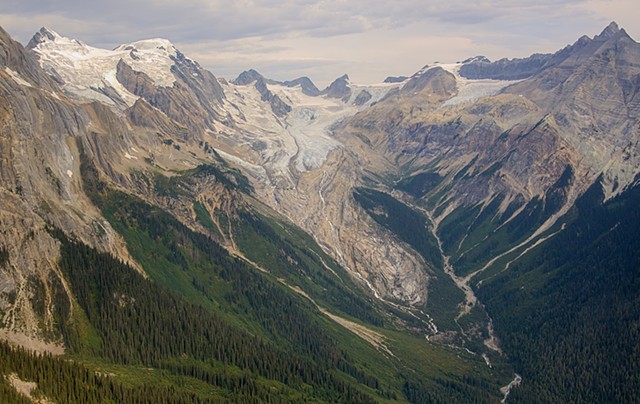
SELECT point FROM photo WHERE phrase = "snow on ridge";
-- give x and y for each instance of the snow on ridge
(86, 69)
(149, 45)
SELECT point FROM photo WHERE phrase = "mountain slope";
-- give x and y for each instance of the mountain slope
(571, 303)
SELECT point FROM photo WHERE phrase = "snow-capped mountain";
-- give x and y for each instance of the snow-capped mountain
(90, 73)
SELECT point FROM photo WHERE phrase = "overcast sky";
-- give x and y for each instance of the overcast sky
(367, 39)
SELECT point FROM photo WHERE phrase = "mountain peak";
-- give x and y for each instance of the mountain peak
(247, 77)
(610, 31)
(339, 88)
(305, 84)
(476, 59)
(43, 35)
(49, 33)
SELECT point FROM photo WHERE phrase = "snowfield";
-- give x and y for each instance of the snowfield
(87, 71)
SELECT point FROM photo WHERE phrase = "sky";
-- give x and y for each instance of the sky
(324, 39)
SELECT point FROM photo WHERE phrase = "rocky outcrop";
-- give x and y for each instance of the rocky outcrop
(362, 98)
(339, 88)
(306, 85)
(188, 102)
(395, 79)
(279, 107)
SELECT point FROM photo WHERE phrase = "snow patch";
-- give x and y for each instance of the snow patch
(130, 157)
(17, 78)
(69, 173)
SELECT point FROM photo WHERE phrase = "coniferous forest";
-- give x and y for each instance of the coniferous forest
(569, 312)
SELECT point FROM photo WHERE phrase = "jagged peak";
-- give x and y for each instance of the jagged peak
(247, 77)
(45, 34)
(476, 59)
(305, 83)
(344, 79)
(584, 39)
(610, 31)
(49, 33)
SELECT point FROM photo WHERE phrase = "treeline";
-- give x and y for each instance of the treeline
(568, 313)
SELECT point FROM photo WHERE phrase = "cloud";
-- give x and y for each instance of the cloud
(325, 38)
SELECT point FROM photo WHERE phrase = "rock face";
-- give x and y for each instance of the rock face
(504, 69)
(363, 97)
(395, 79)
(247, 77)
(277, 105)
(339, 88)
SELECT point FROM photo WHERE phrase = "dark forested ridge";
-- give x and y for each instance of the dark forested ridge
(568, 312)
